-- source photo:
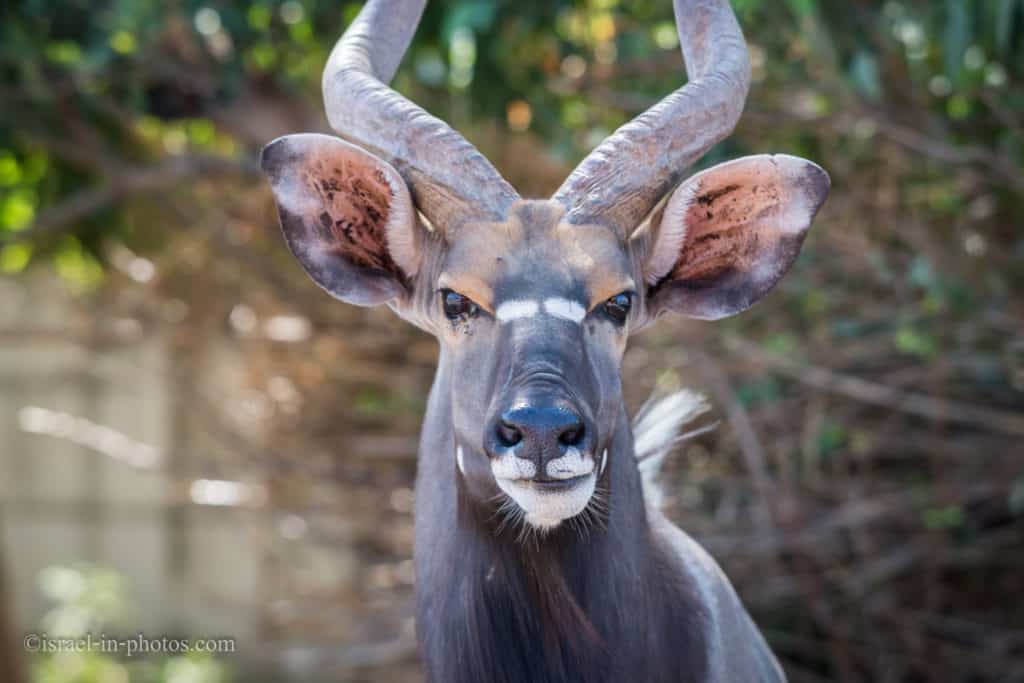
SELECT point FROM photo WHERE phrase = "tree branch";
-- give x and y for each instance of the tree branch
(866, 391)
(750, 445)
(131, 181)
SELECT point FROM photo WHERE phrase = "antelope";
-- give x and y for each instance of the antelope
(540, 553)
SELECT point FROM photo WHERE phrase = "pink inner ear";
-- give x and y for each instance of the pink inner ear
(734, 217)
(355, 205)
(728, 227)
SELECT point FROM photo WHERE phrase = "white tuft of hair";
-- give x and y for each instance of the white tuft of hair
(658, 428)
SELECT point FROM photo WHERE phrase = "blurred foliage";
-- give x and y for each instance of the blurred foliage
(882, 383)
(89, 600)
(92, 88)
(84, 599)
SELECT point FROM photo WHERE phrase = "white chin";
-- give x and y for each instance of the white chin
(547, 508)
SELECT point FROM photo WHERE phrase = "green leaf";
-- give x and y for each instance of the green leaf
(831, 437)
(64, 52)
(958, 107)
(77, 266)
(258, 17)
(764, 390)
(14, 257)
(10, 170)
(783, 343)
(946, 517)
(17, 209)
(123, 42)
(915, 342)
(802, 8)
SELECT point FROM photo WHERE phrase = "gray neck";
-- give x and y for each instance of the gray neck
(562, 609)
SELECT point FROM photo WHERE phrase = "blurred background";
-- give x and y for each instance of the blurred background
(196, 441)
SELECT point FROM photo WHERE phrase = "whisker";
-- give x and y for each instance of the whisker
(508, 509)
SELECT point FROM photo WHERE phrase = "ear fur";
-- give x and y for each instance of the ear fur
(347, 216)
(728, 234)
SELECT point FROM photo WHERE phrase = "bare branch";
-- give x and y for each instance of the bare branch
(866, 391)
(750, 446)
(63, 216)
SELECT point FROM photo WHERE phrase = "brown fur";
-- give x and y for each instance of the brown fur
(482, 253)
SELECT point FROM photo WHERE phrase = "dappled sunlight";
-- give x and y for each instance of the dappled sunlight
(233, 451)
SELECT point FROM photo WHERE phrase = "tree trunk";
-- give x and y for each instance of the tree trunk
(11, 670)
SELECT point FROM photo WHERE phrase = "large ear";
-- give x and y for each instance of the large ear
(729, 233)
(346, 215)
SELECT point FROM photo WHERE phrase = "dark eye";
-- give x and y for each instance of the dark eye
(457, 306)
(618, 307)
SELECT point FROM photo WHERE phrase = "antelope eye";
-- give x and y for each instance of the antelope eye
(456, 306)
(618, 307)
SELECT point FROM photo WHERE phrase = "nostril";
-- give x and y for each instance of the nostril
(508, 434)
(572, 436)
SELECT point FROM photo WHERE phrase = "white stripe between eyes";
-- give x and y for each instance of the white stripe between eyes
(558, 307)
(515, 309)
(565, 309)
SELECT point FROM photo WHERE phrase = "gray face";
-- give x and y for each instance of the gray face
(534, 320)
(533, 312)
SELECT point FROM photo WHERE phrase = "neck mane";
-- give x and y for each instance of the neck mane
(578, 603)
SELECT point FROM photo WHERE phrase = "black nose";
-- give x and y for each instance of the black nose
(544, 427)
(539, 433)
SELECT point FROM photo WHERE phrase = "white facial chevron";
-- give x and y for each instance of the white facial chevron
(557, 307)
(515, 309)
(566, 309)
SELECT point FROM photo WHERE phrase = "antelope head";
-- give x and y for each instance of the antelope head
(533, 301)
